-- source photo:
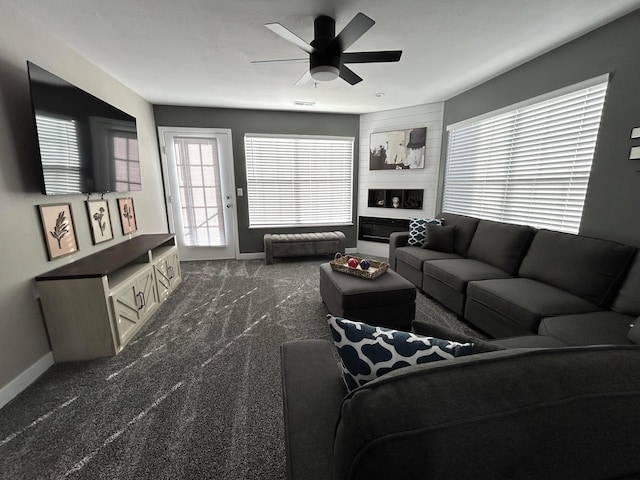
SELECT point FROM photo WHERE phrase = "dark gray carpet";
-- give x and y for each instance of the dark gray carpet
(196, 394)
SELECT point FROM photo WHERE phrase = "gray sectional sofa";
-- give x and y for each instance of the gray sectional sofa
(511, 280)
(563, 413)
(515, 408)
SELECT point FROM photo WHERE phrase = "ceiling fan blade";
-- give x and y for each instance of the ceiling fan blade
(283, 60)
(367, 57)
(289, 36)
(352, 32)
(349, 75)
(303, 79)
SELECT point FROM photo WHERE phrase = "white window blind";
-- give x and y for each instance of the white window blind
(299, 180)
(530, 165)
(60, 153)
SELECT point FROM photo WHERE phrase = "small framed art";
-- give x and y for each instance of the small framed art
(127, 215)
(58, 229)
(100, 220)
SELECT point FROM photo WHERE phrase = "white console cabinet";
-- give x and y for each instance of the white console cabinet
(94, 306)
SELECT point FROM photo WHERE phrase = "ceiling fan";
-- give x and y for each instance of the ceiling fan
(327, 56)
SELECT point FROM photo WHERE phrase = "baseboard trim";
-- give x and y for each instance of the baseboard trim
(26, 378)
(251, 256)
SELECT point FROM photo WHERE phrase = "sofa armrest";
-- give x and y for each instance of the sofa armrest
(313, 391)
(396, 239)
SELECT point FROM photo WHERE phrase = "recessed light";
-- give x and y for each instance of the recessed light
(304, 104)
(380, 94)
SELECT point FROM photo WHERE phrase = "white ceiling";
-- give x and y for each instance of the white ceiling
(198, 52)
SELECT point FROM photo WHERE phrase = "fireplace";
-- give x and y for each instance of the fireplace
(378, 229)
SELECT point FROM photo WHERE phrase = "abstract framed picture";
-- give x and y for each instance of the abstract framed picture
(58, 229)
(100, 220)
(127, 215)
(398, 149)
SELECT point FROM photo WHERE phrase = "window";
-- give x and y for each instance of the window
(124, 152)
(299, 180)
(60, 153)
(528, 165)
(198, 163)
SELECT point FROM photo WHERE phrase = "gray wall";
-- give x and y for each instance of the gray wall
(265, 121)
(24, 346)
(612, 207)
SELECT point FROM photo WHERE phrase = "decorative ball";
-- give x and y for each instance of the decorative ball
(365, 264)
(353, 262)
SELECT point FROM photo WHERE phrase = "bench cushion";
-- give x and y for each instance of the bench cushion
(302, 244)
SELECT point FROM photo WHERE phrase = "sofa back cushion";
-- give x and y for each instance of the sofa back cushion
(502, 245)
(628, 299)
(446, 420)
(590, 268)
(465, 228)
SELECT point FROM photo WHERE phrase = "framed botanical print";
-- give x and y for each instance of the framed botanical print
(100, 220)
(127, 215)
(58, 229)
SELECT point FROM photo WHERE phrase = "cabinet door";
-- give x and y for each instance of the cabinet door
(173, 269)
(163, 280)
(168, 274)
(133, 303)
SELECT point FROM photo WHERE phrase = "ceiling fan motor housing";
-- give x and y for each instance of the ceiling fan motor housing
(324, 65)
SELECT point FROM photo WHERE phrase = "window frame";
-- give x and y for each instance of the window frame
(493, 155)
(297, 163)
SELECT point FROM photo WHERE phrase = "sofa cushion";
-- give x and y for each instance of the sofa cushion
(529, 341)
(465, 228)
(590, 268)
(440, 238)
(595, 328)
(519, 414)
(458, 272)
(502, 245)
(416, 256)
(524, 301)
(628, 299)
(418, 230)
(634, 332)
(368, 352)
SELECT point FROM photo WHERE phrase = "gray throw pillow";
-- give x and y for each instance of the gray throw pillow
(440, 238)
(418, 230)
(634, 332)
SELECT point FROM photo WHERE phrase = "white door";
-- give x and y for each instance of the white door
(199, 189)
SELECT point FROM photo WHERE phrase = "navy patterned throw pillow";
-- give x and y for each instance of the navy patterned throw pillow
(418, 230)
(368, 352)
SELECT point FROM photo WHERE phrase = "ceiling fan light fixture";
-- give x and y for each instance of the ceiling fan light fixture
(325, 73)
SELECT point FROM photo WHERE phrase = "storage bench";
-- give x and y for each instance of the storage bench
(302, 244)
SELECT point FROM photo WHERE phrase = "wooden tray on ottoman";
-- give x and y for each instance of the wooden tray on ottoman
(339, 264)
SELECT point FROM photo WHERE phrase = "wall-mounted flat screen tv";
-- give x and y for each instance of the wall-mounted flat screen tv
(86, 145)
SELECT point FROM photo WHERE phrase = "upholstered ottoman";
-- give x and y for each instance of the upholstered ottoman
(386, 301)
